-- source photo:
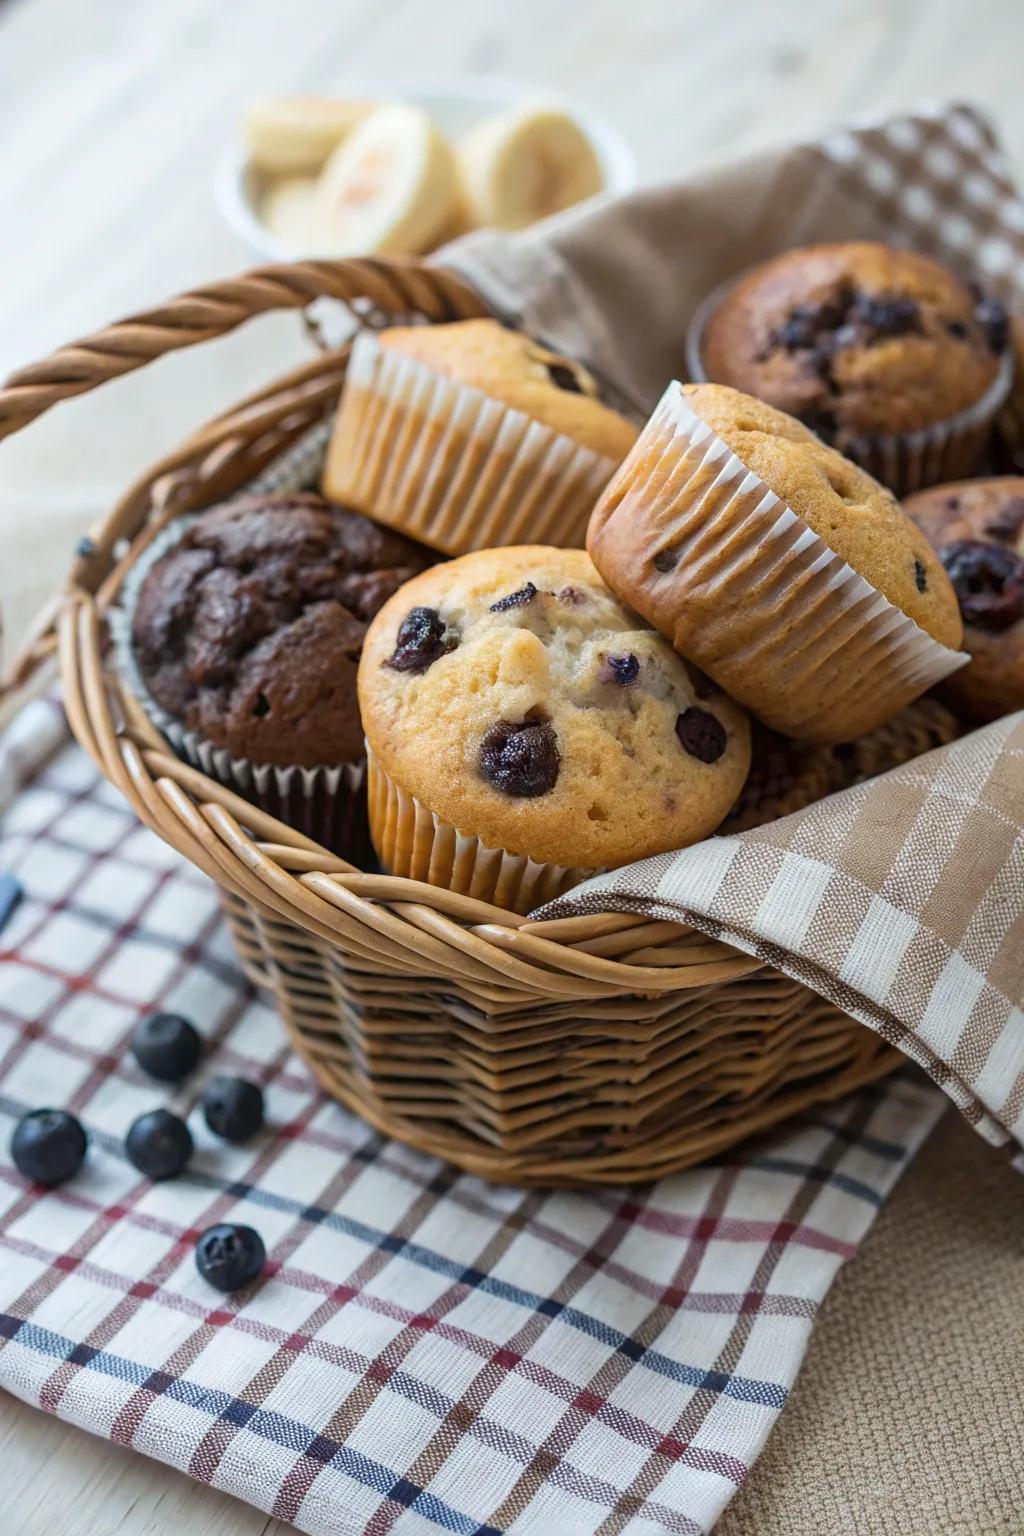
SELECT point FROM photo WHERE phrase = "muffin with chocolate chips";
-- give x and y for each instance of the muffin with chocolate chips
(469, 436)
(883, 353)
(977, 528)
(525, 730)
(776, 565)
(245, 637)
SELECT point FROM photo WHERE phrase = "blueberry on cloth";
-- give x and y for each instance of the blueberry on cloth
(233, 1107)
(10, 895)
(48, 1146)
(159, 1144)
(166, 1046)
(229, 1256)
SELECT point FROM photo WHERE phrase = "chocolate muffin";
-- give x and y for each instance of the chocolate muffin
(249, 630)
(977, 527)
(863, 343)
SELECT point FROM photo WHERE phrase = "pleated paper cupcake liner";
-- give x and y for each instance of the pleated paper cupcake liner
(451, 467)
(419, 845)
(904, 461)
(327, 802)
(748, 592)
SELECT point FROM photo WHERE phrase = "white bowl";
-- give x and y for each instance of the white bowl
(456, 105)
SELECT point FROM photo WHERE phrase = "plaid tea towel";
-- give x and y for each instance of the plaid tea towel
(425, 1353)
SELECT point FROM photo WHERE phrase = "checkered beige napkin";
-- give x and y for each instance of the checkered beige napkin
(901, 900)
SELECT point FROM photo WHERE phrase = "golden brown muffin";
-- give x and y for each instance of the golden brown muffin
(517, 701)
(857, 517)
(857, 339)
(508, 366)
(771, 562)
(470, 436)
(977, 527)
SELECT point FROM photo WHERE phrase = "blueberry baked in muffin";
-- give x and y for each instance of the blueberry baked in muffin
(524, 729)
(470, 435)
(867, 346)
(977, 528)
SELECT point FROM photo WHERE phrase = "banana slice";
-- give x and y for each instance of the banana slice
(286, 208)
(392, 186)
(524, 165)
(293, 135)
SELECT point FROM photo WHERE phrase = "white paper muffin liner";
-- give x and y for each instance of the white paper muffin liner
(449, 465)
(327, 802)
(416, 843)
(750, 593)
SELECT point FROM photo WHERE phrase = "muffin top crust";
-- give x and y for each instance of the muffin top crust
(249, 629)
(857, 518)
(512, 695)
(523, 374)
(857, 339)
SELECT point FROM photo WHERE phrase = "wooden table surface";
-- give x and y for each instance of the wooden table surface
(113, 114)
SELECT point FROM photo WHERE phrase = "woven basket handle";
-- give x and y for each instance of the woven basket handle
(393, 287)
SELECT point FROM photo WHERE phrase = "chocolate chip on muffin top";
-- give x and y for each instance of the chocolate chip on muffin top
(249, 630)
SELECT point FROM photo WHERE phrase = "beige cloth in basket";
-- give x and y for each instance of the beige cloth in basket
(901, 900)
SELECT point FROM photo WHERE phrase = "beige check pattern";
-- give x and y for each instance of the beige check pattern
(901, 900)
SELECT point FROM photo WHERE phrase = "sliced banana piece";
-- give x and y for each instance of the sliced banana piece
(293, 135)
(391, 187)
(286, 208)
(523, 165)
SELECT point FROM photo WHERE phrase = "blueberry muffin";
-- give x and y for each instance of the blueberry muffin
(870, 347)
(977, 527)
(776, 565)
(524, 730)
(246, 635)
(469, 436)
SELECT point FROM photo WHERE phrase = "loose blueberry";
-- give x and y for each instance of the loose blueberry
(521, 760)
(159, 1144)
(565, 377)
(988, 580)
(166, 1046)
(233, 1107)
(10, 894)
(701, 734)
(48, 1146)
(229, 1256)
(422, 639)
(623, 670)
(526, 594)
(920, 576)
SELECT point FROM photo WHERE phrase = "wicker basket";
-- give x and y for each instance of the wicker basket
(600, 1049)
